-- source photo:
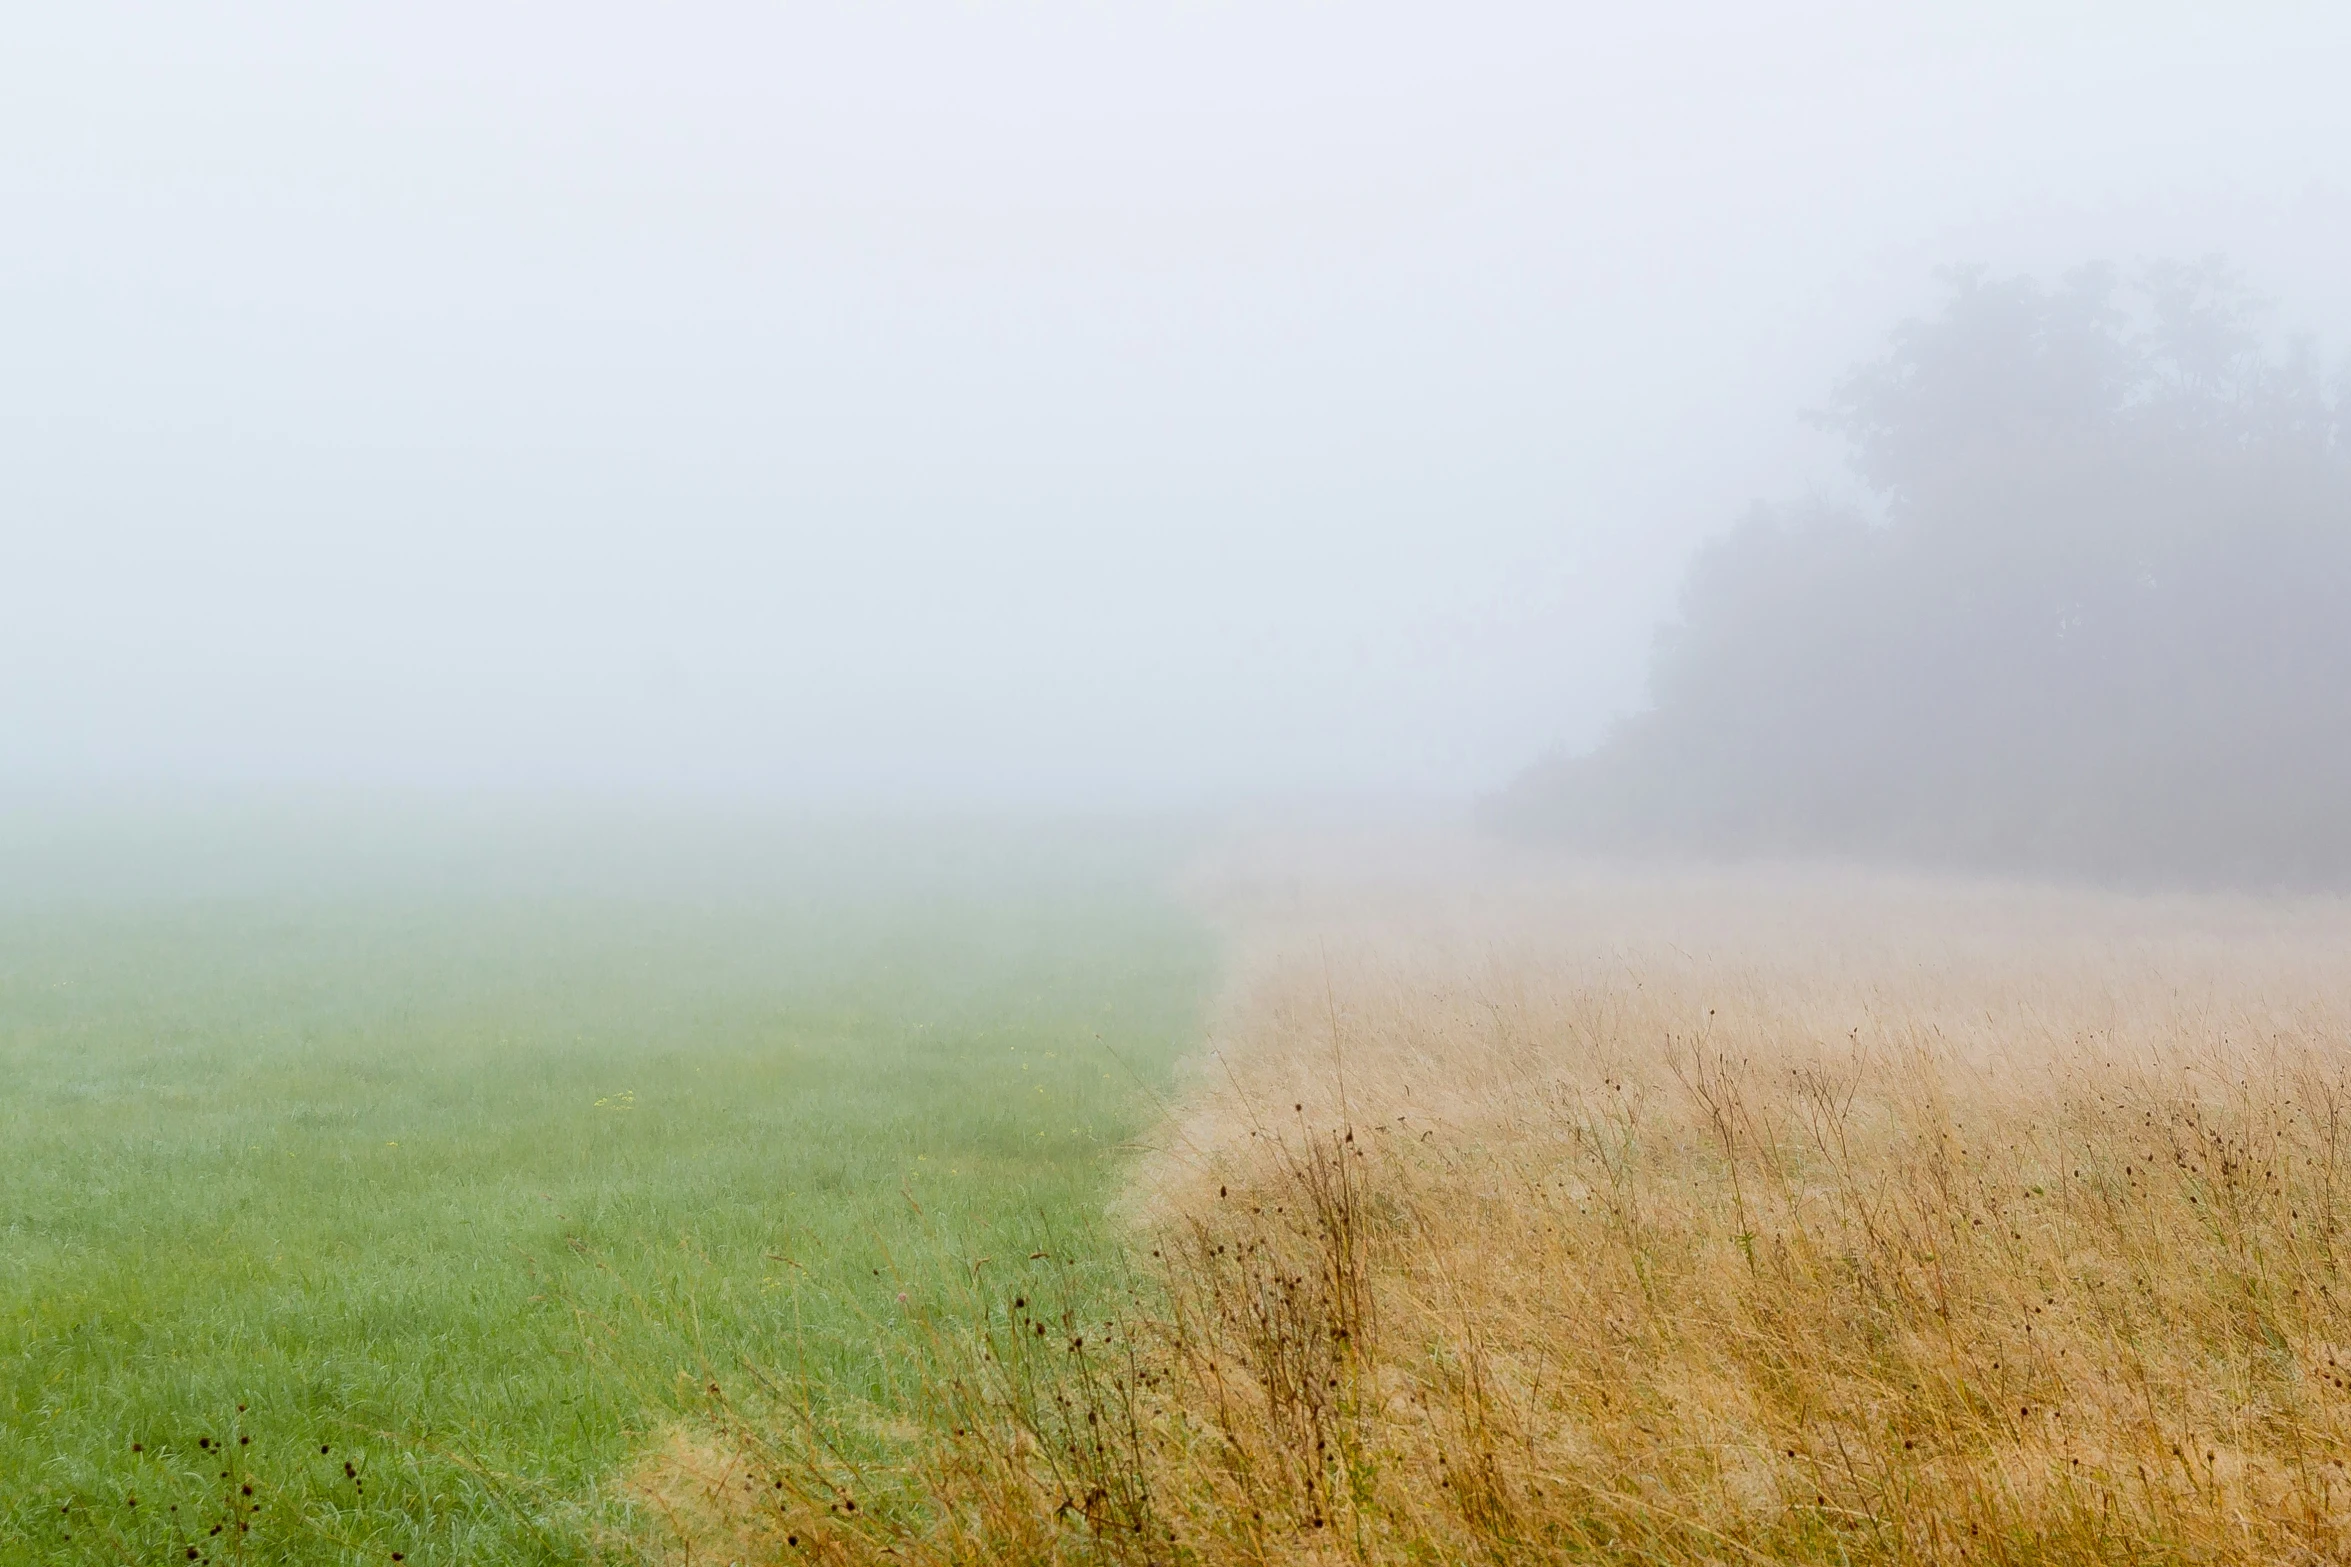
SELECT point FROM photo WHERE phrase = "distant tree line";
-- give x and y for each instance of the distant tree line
(2098, 622)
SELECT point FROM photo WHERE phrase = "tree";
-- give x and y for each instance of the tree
(2102, 625)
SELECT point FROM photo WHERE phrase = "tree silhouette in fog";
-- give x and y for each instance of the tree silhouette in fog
(2102, 622)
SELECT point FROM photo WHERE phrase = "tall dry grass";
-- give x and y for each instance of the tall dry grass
(1796, 1218)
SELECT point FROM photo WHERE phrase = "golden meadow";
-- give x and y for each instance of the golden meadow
(1571, 1216)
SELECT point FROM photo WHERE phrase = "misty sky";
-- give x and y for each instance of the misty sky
(1046, 403)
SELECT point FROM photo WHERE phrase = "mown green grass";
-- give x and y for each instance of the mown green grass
(476, 1187)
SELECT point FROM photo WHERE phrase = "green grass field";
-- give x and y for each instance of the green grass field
(471, 1176)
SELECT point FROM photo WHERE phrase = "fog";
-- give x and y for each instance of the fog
(1036, 405)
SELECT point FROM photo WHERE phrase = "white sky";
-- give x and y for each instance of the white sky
(1051, 403)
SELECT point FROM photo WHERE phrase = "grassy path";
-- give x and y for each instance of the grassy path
(469, 1191)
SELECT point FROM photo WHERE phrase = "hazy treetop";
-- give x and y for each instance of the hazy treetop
(2101, 620)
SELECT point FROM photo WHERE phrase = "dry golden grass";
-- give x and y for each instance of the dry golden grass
(1786, 1217)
